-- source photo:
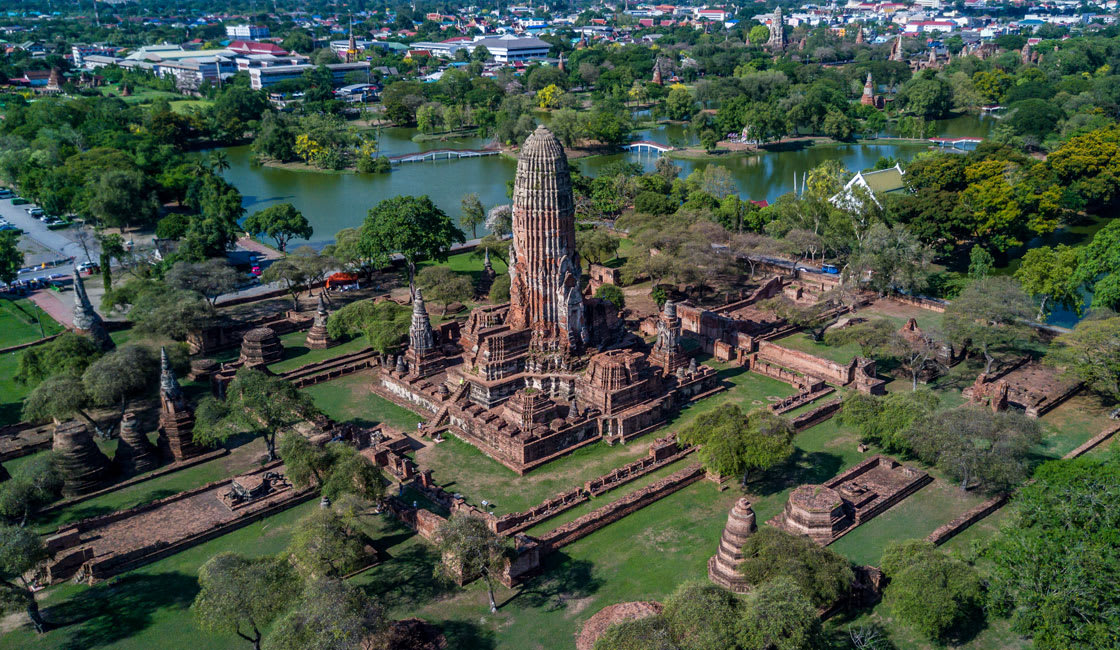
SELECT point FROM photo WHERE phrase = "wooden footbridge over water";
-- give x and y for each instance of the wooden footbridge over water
(441, 154)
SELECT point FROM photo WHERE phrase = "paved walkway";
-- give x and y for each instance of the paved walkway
(268, 252)
(56, 305)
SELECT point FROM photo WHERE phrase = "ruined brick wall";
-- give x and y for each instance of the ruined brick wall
(953, 528)
(922, 303)
(806, 363)
(401, 393)
(817, 415)
(618, 509)
(601, 275)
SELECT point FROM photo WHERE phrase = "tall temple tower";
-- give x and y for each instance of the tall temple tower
(176, 421)
(352, 45)
(86, 320)
(896, 50)
(777, 32)
(868, 98)
(544, 267)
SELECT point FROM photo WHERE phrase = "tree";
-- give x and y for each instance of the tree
(473, 214)
(159, 310)
(351, 473)
(499, 291)
(1091, 353)
(122, 198)
(282, 222)
(822, 575)
(411, 226)
(68, 354)
(893, 259)
(989, 315)
(127, 372)
(596, 245)
(613, 295)
(759, 35)
(254, 403)
(1048, 274)
(777, 615)
(926, 96)
(212, 279)
(60, 397)
(733, 443)
(305, 463)
(883, 421)
(330, 615)
(980, 262)
(21, 550)
(679, 104)
(289, 272)
(384, 323)
(649, 633)
(938, 596)
(717, 182)
(1099, 267)
(324, 546)
(470, 549)
(11, 257)
(36, 482)
(701, 616)
(976, 446)
(549, 96)
(444, 286)
(1054, 564)
(237, 592)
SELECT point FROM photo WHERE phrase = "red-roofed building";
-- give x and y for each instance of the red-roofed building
(254, 47)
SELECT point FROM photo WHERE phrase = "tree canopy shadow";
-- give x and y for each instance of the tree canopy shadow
(463, 634)
(563, 579)
(119, 608)
(801, 468)
(408, 579)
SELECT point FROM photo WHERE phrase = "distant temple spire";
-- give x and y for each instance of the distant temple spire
(896, 50)
(859, 36)
(868, 98)
(777, 31)
(168, 383)
(420, 337)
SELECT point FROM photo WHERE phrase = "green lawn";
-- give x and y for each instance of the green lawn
(838, 353)
(350, 399)
(20, 322)
(296, 352)
(148, 608)
(184, 105)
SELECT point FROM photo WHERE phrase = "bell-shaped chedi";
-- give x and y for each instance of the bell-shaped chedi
(317, 337)
(545, 296)
(86, 320)
(260, 347)
(723, 567)
(176, 420)
(84, 468)
(135, 453)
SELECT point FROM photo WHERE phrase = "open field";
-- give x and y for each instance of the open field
(296, 352)
(20, 322)
(350, 399)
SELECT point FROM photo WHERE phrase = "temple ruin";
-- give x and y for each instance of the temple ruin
(86, 320)
(176, 419)
(84, 468)
(723, 567)
(552, 370)
(317, 336)
(135, 453)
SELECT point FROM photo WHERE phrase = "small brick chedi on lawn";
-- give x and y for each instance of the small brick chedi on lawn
(176, 420)
(260, 347)
(84, 468)
(553, 369)
(827, 512)
(723, 567)
(317, 337)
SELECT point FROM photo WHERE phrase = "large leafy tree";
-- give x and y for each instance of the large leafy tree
(254, 403)
(384, 323)
(1055, 566)
(212, 278)
(822, 575)
(244, 595)
(939, 597)
(126, 373)
(1091, 353)
(68, 354)
(473, 214)
(330, 615)
(976, 446)
(778, 615)
(11, 257)
(702, 615)
(883, 420)
(1099, 267)
(60, 397)
(410, 226)
(21, 550)
(441, 284)
(1048, 275)
(734, 444)
(324, 545)
(470, 549)
(122, 198)
(990, 316)
(35, 483)
(282, 222)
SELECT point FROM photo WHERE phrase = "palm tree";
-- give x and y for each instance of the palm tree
(219, 161)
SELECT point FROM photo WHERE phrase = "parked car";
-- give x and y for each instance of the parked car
(831, 269)
(35, 212)
(5, 193)
(19, 200)
(87, 267)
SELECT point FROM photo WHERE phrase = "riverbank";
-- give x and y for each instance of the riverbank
(727, 149)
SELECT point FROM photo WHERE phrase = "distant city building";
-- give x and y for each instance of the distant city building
(248, 32)
(264, 77)
(507, 49)
(79, 52)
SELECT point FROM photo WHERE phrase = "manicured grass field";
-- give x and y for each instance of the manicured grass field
(838, 353)
(350, 399)
(20, 320)
(296, 352)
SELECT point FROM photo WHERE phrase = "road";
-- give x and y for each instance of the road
(53, 240)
